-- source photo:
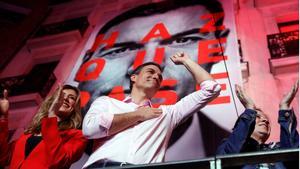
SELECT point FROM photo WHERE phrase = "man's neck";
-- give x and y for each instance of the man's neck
(139, 97)
(258, 139)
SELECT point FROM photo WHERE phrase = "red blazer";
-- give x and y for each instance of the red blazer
(57, 150)
(4, 146)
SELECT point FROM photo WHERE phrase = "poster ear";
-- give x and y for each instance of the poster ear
(223, 33)
(133, 77)
(87, 56)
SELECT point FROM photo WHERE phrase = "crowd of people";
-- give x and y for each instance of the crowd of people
(132, 131)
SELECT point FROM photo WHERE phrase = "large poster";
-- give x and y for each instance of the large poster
(204, 29)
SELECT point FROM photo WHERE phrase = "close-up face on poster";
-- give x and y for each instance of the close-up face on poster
(205, 30)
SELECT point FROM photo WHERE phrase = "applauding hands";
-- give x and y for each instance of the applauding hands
(288, 98)
(4, 104)
(244, 98)
(283, 105)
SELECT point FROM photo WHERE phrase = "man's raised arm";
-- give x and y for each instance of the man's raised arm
(197, 71)
(198, 99)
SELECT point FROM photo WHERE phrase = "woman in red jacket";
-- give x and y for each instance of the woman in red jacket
(52, 140)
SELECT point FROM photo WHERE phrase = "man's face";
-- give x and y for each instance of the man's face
(262, 127)
(182, 24)
(148, 79)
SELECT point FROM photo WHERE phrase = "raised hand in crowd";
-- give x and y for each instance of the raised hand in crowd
(4, 104)
(57, 103)
(244, 98)
(288, 98)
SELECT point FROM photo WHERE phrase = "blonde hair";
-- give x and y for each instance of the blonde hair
(74, 121)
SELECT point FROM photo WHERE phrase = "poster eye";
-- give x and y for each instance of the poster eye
(181, 41)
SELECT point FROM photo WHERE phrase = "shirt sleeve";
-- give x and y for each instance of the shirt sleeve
(61, 153)
(289, 137)
(243, 128)
(193, 102)
(98, 120)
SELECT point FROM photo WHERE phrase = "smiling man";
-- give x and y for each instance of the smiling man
(153, 32)
(252, 130)
(132, 131)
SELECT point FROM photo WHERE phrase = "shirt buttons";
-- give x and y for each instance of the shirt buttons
(287, 114)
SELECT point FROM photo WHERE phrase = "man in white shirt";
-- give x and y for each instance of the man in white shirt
(134, 132)
(153, 32)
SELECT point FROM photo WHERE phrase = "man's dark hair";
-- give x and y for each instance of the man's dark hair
(137, 70)
(213, 6)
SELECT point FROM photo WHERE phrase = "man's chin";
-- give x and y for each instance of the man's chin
(263, 132)
(264, 135)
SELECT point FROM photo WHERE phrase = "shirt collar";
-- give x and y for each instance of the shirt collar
(129, 99)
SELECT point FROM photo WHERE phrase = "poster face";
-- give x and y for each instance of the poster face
(205, 30)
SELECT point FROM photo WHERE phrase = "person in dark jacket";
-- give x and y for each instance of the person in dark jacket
(252, 130)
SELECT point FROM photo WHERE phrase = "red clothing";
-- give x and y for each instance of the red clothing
(4, 146)
(58, 149)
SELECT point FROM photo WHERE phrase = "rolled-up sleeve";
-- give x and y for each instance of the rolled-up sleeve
(193, 102)
(98, 119)
(289, 136)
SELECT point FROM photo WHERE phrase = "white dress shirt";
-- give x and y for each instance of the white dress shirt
(145, 142)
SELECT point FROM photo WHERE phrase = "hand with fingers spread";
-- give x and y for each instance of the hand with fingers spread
(57, 103)
(179, 57)
(288, 98)
(4, 104)
(244, 98)
(146, 113)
